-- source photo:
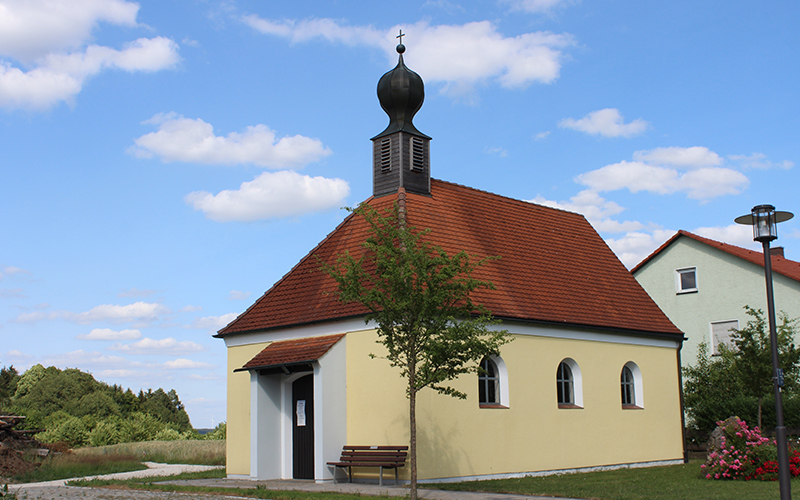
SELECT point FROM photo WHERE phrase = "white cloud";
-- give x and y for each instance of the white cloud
(634, 246)
(271, 195)
(693, 157)
(238, 295)
(535, 6)
(184, 364)
(193, 140)
(541, 135)
(703, 180)
(460, 56)
(308, 29)
(606, 122)
(49, 39)
(497, 151)
(60, 77)
(11, 271)
(214, 322)
(168, 345)
(138, 311)
(597, 210)
(759, 161)
(734, 234)
(88, 360)
(30, 29)
(108, 334)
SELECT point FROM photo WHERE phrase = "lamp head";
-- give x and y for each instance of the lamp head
(764, 220)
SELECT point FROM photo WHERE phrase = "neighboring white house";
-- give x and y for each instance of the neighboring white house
(703, 285)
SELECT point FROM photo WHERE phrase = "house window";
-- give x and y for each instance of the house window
(493, 383)
(721, 334)
(488, 392)
(686, 280)
(568, 385)
(630, 381)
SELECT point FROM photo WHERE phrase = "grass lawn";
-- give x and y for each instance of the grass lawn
(652, 483)
(680, 482)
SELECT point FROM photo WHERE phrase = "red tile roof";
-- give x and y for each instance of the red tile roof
(553, 266)
(290, 352)
(780, 265)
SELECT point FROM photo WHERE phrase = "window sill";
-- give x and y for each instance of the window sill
(563, 406)
(682, 292)
(493, 405)
(632, 407)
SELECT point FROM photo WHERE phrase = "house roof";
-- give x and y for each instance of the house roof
(780, 265)
(291, 352)
(553, 266)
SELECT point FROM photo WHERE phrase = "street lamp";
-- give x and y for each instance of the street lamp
(764, 220)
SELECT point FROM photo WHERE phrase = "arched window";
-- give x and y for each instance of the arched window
(630, 382)
(488, 382)
(628, 387)
(493, 383)
(564, 385)
(569, 385)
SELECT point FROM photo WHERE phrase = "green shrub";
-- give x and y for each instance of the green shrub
(105, 433)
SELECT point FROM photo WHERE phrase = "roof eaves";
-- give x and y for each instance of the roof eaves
(676, 335)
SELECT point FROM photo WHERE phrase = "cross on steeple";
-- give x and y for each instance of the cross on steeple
(400, 36)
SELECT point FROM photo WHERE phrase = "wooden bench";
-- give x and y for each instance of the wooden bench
(384, 457)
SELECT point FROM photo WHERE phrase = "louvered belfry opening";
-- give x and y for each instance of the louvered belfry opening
(401, 153)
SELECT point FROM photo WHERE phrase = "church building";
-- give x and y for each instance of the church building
(591, 379)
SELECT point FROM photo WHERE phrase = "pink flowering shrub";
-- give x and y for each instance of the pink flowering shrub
(743, 453)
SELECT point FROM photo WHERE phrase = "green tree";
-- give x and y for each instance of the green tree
(9, 377)
(738, 381)
(752, 356)
(419, 296)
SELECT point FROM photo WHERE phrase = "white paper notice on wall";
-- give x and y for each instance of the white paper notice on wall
(301, 413)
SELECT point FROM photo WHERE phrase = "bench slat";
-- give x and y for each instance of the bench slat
(383, 456)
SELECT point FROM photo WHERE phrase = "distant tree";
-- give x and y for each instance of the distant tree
(165, 406)
(419, 296)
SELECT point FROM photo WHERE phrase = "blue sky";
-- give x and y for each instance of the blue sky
(165, 162)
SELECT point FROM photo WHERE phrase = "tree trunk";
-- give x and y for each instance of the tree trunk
(760, 400)
(412, 419)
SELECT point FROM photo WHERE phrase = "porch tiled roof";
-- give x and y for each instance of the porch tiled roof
(553, 266)
(291, 352)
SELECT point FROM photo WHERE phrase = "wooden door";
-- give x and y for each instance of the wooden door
(303, 427)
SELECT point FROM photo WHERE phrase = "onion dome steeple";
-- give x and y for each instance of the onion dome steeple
(401, 155)
(401, 93)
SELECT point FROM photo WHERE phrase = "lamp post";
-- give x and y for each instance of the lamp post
(764, 220)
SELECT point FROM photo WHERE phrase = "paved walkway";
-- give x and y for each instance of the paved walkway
(50, 490)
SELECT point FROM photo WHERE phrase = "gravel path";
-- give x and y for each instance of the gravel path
(51, 490)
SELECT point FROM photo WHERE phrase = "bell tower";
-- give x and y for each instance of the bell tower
(401, 153)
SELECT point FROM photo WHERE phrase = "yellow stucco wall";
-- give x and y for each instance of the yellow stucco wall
(238, 440)
(457, 438)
